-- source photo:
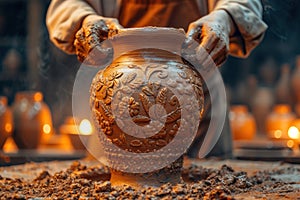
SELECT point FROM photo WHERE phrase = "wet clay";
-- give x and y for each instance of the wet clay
(79, 181)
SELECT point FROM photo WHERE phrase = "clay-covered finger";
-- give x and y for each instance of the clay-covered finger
(113, 24)
(221, 60)
(80, 36)
(92, 41)
(94, 27)
(116, 26)
(194, 33)
(80, 56)
(209, 41)
(219, 52)
(78, 46)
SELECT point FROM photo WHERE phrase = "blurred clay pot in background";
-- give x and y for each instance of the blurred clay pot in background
(134, 97)
(78, 139)
(261, 105)
(6, 121)
(279, 121)
(295, 81)
(242, 123)
(32, 119)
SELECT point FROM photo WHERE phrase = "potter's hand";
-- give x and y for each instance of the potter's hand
(94, 30)
(212, 32)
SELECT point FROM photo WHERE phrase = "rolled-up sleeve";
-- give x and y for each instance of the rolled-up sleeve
(247, 16)
(64, 19)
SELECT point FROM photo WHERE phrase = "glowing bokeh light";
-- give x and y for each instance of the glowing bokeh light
(85, 127)
(46, 128)
(293, 133)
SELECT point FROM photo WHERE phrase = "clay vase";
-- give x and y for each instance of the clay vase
(261, 105)
(245, 89)
(242, 123)
(279, 121)
(32, 119)
(140, 86)
(267, 72)
(6, 121)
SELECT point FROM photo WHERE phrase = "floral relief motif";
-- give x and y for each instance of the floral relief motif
(105, 85)
(135, 96)
(104, 125)
(128, 103)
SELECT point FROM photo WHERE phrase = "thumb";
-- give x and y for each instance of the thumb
(194, 32)
(192, 38)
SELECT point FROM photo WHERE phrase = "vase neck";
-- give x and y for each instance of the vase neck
(148, 55)
(167, 39)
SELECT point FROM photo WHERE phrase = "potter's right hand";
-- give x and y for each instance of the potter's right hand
(212, 32)
(94, 30)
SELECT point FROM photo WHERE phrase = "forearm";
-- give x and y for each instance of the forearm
(248, 28)
(64, 18)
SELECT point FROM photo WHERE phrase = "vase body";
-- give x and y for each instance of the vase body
(6, 121)
(139, 87)
(32, 119)
(242, 123)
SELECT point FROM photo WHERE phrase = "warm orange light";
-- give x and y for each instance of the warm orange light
(47, 128)
(278, 134)
(38, 96)
(293, 132)
(85, 127)
(8, 127)
(290, 143)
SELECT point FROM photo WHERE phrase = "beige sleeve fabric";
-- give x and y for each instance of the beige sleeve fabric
(64, 19)
(247, 16)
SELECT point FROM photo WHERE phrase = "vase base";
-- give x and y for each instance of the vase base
(169, 174)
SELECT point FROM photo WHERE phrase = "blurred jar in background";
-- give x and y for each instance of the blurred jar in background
(261, 105)
(78, 134)
(32, 119)
(295, 85)
(283, 88)
(12, 63)
(242, 123)
(6, 121)
(279, 121)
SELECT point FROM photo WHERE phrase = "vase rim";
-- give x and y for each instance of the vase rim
(168, 39)
(148, 29)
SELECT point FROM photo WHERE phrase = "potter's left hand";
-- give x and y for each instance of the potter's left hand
(212, 32)
(88, 40)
